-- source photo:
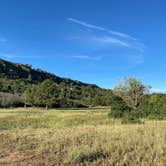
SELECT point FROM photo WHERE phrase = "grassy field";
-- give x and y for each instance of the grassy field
(78, 137)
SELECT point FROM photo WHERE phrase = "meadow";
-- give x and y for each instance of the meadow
(78, 137)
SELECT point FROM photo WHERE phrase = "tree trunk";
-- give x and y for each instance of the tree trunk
(46, 107)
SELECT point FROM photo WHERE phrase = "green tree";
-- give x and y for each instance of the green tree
(29, 96)
(46, 93)
(131, 90)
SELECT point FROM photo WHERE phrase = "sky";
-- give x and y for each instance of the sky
(94, 41)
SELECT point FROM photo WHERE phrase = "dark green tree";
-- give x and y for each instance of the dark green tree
(46, 93)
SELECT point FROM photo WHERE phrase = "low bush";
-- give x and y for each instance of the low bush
(153, 107)
(84, 154)
(131, 118)
(119, 108)
(80, 154)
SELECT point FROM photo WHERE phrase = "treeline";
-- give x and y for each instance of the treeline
(136, 102)
(27, 84)
(21, 85)
(50, 94)
(153, 106)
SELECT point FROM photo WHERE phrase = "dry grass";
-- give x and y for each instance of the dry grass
(78, 138)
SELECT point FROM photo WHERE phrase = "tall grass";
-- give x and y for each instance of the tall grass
(79, 138)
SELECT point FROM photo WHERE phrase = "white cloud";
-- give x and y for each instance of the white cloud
(87, 25)
(111, 40)
(86, 57)
(113, 37)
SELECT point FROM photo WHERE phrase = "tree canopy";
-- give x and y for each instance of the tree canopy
(131, 90)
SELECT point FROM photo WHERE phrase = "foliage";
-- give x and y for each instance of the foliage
(131, 90)
(118, 108)
(10, 100)
(46, 93)
(27, 82)
(80, 154)
(153, 106)
(131, 118)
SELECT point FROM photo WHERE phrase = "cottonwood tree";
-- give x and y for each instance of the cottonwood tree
(131, 90)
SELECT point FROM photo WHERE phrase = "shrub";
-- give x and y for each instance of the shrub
(153, 106)
(119, 108)
(79, 154)
(131, 118)
(84, 153)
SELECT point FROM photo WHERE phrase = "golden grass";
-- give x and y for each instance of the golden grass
(79, 138)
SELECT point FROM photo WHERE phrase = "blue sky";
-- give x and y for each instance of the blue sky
(88, 40)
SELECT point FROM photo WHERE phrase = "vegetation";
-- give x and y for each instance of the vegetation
(31, 136)
(131, 90)
(85, 137)
(21, 85)
(28, 84)
(153, 106)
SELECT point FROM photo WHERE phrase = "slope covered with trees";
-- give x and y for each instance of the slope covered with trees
(28, 85)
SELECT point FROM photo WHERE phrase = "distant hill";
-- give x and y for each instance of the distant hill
(11, 70)
(16, 78)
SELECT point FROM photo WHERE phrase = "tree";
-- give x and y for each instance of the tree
(46, 93)
(29, 96)
(131, 90)
(119, 108)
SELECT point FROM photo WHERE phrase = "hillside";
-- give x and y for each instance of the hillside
(16, 79)
(11, 70)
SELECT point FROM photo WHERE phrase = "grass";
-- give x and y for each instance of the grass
(78, 137)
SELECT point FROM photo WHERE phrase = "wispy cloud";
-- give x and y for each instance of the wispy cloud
(112, 37)
(86, 57)
(111, 40)
(100, 28)
(106, 39)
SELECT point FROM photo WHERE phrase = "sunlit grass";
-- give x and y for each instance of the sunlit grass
(71, 137)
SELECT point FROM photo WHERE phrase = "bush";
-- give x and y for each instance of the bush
(80, 154)
(131, 118)
(84, 153)
(119, 108)
(153, 106)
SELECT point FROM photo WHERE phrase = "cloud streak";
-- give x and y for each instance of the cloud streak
(112, 37)
(111, 40)
(108, 39)
(100, 28)
(86, 57)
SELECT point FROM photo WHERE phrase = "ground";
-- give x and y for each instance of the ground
(78, 137)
